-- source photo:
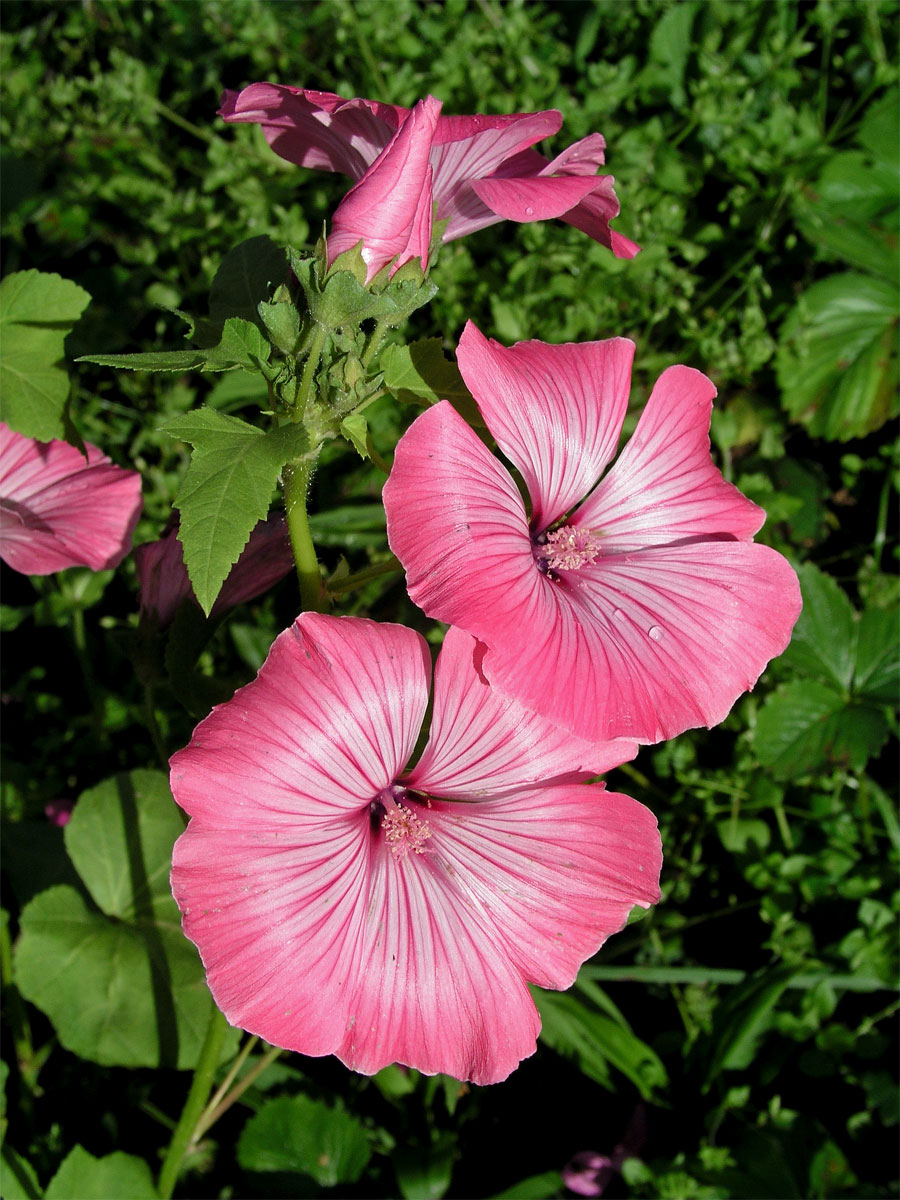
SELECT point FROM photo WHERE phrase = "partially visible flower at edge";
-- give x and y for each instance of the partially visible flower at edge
(485, 170)
(163, 579)
(59, 509)
(390, 209)
(588, 1173)
(59, 812)
(344, 905)
(637, 606)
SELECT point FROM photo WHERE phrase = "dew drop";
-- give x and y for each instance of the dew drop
(529, 211)
(618, 614)
(654, 633)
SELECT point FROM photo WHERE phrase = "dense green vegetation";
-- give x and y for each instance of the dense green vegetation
(753, 1012)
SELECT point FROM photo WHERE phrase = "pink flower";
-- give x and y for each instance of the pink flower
(58, 509)
(588, 1173)
(390, 208)
(59, 812)
(344, 905)
(164, 583)
(484, 168)
(633, 607)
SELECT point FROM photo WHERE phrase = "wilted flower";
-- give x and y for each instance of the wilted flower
(345, 905)
(633, 607)
(484, 168)
(60, 509)
(164, 583)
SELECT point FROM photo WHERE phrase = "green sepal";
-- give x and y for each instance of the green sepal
(282, 322)
(420, 373)
(356, 430)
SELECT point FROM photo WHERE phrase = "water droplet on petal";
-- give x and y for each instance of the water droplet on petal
(654, 633)
(618, 615)
(529, 211)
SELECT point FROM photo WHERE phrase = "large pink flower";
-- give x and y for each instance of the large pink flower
(484, 168)
(390, 209)
(637, 609)
(344, 906)
(165, 586)
(59, 509)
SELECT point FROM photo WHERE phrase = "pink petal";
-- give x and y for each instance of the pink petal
(664, 485)
(390, 208)
(316, 129)
(484, 743)
(650, 644)
(59, 510)
(533, 199)
(330, 720)
(593, 215)
(556, 411)
(456, 521)
(584, 157)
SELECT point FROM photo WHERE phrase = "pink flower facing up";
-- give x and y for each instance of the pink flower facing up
(485, 170)
(390, 209)
(639, 611)
(59, 509)
(343, 905)
(165, 586)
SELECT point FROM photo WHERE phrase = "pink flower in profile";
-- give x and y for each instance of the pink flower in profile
(589, 1173)
(344, 904)
(390, 208)
(59, 509)
(633, 607)
(485, 169)
(165, 586)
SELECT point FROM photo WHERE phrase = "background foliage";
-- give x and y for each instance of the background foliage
(752, 1014)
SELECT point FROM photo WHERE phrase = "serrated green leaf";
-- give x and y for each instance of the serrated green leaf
(116, 1176)
(837, 356)
(823, 643)
(806, 724)
(878, 130)
(355, 429)
(227, 489)
(242, 345)
(120, 839)
(420, 372)
(154, 360)
(877, 674)
(305, 1137)
(37, 311)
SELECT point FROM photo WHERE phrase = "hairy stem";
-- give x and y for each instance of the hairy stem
(297, 478)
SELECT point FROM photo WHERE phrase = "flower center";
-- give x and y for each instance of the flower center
(567, 549)
(404, 831)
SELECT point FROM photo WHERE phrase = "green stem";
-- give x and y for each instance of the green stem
(223, 1087)
(296, 487)
(79, 643)
(203, 1077)
(376, 337)
(15, 1009)
(309, 370)
(153, 728)
(236, 1092)
(360, 578)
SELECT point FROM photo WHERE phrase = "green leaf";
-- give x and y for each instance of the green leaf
(355, 429)
(837, 356)
(877, 674)
(18, 1178)
(116, 1176)
(350, 526)
(535, 1187)
(597, 1042)
(227, 489)
(127, 988)
(303, 1136)
(424, 1170)
(420, 372)
(247, 276)
(154, 360)
(282, 322)
(740, 1022)
(120, 839)
(806, 724)
(242, 345)
(37, 310)
(823, 643)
